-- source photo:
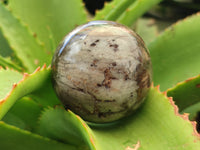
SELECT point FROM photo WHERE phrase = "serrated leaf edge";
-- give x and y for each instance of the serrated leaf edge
(184, 116)
(25, 76)
(29, 31)
(92, 143)
(29, 133)
(92, 139)
(182, 83)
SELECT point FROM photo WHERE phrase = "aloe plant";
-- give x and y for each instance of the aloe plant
(33, 118)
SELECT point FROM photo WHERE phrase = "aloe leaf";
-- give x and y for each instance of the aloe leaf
(125, 11)
(113, 9)
(108, 6)
(12, 137)
(24, 114)
(6, 62)
(156, 125)
(22, 85)
(135, 10)
(150, 28)
(25, 45)
(45, 95)
(189, 102)
(157, 119)
(175, 53)
(147, 29)
(65, 126)
(5, 49)
(52, 17)
(7, 78)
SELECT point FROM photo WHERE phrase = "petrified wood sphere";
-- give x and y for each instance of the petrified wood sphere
(102, 71)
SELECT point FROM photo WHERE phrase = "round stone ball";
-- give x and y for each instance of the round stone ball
(102, 71)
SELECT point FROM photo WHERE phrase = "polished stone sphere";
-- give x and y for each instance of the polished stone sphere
(102, 71)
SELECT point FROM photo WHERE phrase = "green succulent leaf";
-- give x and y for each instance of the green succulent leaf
(29, 34)
(157, 119)
(113, 9)
(14, 85)
(45, 95)
(5, 49)
(189, 102)
(7, 62)
(12, 137)
(135, 10)
(157, 125)
(147, 29)
(175, 53)
(125, 11)
(7, 79)
(101, 14)
(24, 114)
(25, 45)
(50, 20)
(68, 128)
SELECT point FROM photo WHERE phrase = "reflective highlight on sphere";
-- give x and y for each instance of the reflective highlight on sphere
(102, 71)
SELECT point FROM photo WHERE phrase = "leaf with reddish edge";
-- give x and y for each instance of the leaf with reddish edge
(157, 119)
(7, 78)
(68, 128)
(189, 101)
(156, 125)
(25, 86)
(45, 95)
(15, 138)
(175, 53)
(24, 114)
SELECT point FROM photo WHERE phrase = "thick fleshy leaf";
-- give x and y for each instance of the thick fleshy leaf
(113, 10)
(5, 49)
(45, 95)
(25, 44)
(24, 114)
(68, 128)
(6, 62)
(7, 56)
(157, 119)
(14, 86)
(125, 11)
(7, 79)
(50, 20)
(175, 53)
(157, 125)
(187, 96)
(15, 138)
(135, 10)
(147, 29)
